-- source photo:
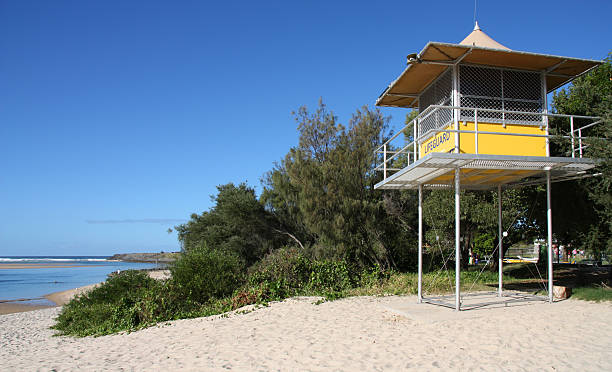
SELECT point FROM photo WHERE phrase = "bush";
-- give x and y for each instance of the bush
(202, 274)
(287, 272)
(374, 276)
(132, 300)
(125, 301)
(285, 264)
(330, 277)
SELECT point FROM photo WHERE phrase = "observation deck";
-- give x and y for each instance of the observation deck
(508, 152)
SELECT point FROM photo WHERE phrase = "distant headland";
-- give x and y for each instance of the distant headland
(146, 257)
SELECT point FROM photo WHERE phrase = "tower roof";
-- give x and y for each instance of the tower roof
(481, 39)
(477, 49)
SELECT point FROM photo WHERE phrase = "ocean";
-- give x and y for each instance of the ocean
(33, 283)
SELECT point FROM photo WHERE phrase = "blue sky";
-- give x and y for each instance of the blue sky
(119, 118)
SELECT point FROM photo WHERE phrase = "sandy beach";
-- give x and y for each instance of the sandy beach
(63, 297)
(362, 333)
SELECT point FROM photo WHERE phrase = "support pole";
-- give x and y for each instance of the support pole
(550, 250)
(420, 244)
(545, 110)
(457, 193)
(500, 249)
(455, 100)
(457, 242)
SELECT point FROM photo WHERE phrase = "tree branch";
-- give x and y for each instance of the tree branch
(290, 235)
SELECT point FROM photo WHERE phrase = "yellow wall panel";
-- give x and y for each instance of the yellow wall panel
(493, 144)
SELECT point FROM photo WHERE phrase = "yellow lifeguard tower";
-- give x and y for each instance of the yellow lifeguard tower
(483, 123)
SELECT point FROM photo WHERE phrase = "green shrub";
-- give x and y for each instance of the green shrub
(374, 276)
(132, 300)
(123, 302)
(287, 265)
(329, 276)
(287, 272)
(202, 274)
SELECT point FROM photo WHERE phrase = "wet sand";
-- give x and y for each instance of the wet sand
(17, 307)
(63, 297)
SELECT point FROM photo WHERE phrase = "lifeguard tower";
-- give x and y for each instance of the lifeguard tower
(483, 124)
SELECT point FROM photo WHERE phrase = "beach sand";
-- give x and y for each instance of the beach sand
(63, 297)
(18, 307)
(351, 334)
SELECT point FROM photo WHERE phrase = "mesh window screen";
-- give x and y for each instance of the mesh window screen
(438, 93)
(492, 88)
(522, 85)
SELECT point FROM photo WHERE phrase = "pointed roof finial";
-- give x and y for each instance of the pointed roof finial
(480, 39)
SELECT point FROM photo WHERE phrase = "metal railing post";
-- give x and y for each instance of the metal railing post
(580, 142)
(385, 161)
(414, 138)
(572, 134)
(476, 130)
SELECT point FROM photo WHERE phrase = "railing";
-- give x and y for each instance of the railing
(389, 154)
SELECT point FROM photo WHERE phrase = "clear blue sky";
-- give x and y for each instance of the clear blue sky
(119, 118)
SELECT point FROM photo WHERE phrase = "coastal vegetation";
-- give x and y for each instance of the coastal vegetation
(163, 257)
(319, 228)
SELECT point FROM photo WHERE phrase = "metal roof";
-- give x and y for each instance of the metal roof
(435, 58)
(482, 172)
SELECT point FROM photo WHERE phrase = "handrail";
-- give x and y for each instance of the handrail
(394, 136)
(587, 126)
(422, 116)
(425, 114)
(416, 142)
(514, 112)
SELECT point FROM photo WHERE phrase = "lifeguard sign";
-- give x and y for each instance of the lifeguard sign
(483, 123)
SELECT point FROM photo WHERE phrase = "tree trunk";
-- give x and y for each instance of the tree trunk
(495, 261)
(465, 252)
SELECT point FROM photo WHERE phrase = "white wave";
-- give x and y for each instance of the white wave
(48, 259)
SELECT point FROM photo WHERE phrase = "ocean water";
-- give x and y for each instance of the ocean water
(32, 284)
